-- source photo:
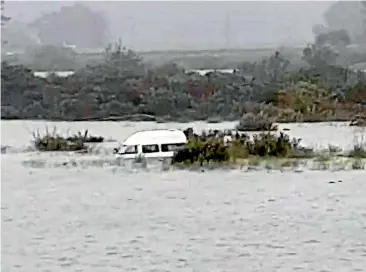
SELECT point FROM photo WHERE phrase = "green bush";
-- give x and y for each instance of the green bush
(359, 148)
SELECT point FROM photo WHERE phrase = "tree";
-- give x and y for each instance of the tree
(124, 60)
(347, 15)
(333, 37)
(76, 25)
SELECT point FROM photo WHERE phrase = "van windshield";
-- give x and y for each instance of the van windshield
(129, 149)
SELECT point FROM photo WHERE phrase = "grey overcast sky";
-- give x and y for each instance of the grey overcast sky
(195, 25)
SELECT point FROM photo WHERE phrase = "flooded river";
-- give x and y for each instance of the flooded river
(108, 218)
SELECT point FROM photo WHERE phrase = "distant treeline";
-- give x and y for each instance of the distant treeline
(121, 86)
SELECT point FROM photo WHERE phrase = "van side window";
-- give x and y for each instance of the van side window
(131, 149)
(150, 148)
(170, 147)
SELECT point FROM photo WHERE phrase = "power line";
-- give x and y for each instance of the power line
(4, 19)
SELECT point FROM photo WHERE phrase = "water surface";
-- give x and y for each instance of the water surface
(110, 218)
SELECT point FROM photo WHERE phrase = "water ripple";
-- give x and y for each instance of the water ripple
(114, 218)
(95, 220)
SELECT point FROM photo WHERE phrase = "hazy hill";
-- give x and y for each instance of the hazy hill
(184, 25)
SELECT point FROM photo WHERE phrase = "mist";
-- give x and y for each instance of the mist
(146, 26)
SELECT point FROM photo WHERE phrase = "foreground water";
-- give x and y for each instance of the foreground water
(109, 218)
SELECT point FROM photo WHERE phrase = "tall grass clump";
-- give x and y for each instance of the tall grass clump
(359, 147)
(54, 142)
(85, 137)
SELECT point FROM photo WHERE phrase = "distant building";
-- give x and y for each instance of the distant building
(45, 74)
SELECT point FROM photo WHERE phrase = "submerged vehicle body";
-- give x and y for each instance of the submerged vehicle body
(158, 144)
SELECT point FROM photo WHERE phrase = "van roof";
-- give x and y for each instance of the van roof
(159, 136)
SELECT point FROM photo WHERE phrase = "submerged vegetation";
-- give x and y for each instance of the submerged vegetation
(267, 149)
(85, 137)
(217, 148)
(55, 142)
(231, 148)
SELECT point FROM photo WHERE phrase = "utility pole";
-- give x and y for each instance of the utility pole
(364, 13)
(289, 35)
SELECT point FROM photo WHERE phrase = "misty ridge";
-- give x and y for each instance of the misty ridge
(62, 29)
(149, 26)
(145, 26)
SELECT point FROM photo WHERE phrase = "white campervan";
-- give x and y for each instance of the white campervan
(152, 144)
